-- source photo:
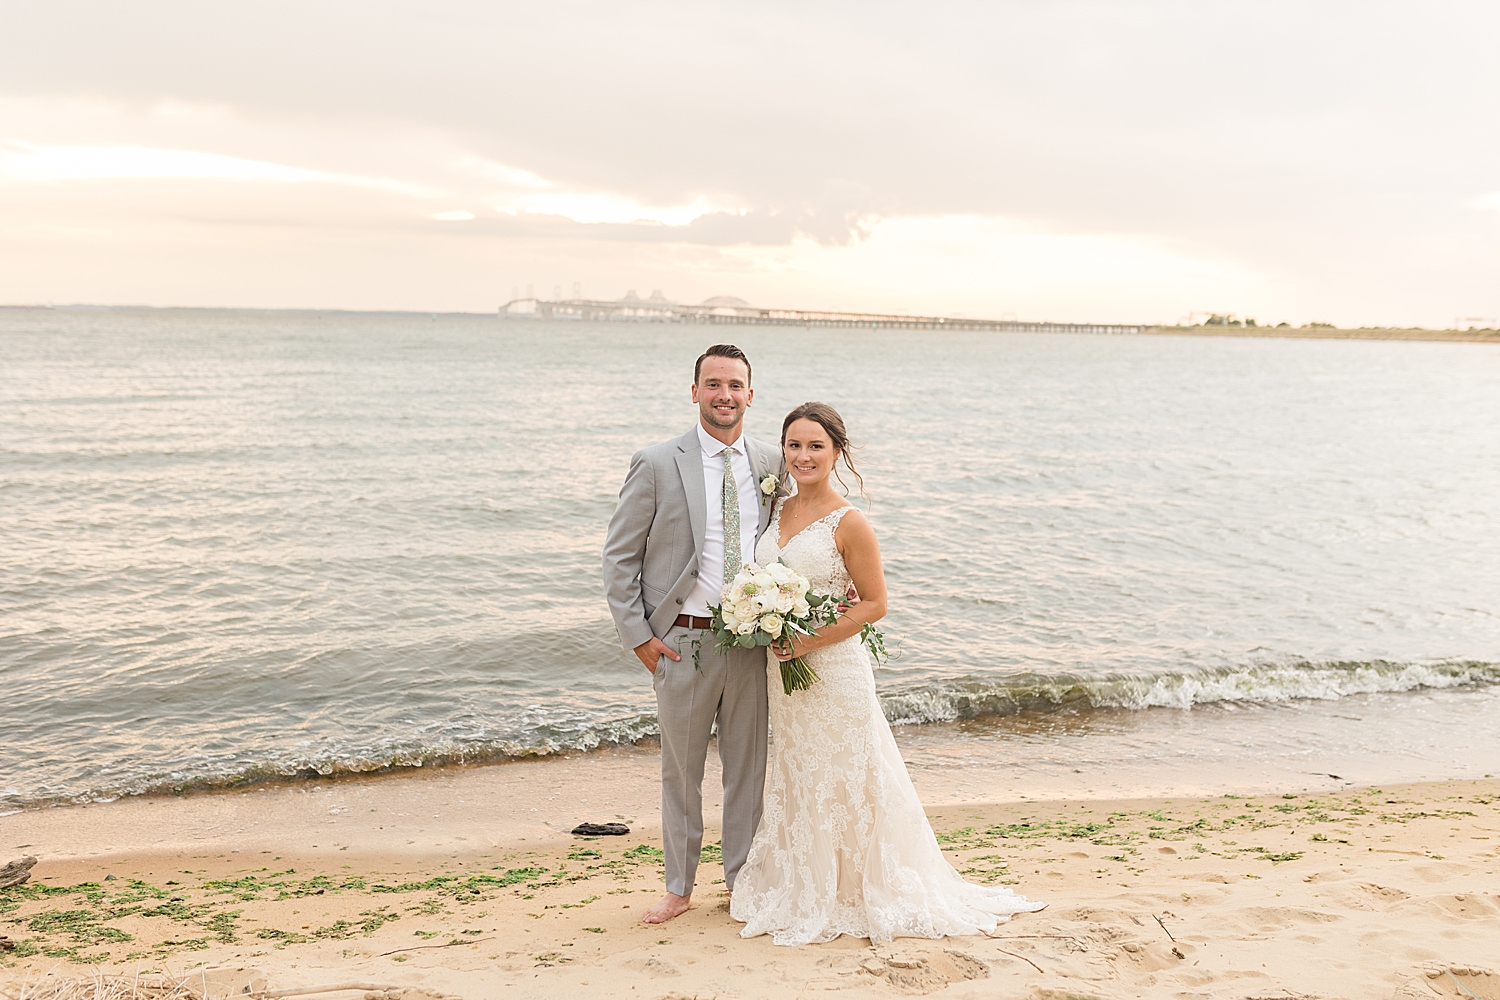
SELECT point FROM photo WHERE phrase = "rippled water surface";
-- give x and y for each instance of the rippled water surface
(240, 544)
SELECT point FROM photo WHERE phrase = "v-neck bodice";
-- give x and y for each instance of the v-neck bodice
(813, 551)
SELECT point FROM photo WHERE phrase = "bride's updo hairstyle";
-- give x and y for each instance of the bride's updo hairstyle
(828, 418)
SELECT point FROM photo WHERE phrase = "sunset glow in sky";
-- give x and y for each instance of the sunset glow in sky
(1068, 161)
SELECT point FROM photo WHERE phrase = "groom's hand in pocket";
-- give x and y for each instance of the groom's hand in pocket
(652, 650)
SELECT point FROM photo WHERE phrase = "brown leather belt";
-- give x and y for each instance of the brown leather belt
(693, 621)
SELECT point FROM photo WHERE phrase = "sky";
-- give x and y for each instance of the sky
(1072, 161)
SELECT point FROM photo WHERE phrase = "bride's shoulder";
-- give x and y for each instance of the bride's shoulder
(850, 521)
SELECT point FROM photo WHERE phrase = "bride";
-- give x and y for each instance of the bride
(843, 846)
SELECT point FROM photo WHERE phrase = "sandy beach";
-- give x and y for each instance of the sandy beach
(465, 882)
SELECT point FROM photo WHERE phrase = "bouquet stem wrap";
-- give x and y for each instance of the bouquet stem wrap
(796, 674)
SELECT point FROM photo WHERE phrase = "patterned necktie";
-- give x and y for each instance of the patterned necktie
(731, 498)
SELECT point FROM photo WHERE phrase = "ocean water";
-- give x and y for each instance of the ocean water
(245, 545)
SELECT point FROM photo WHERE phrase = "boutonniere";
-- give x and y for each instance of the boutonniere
(768, 487)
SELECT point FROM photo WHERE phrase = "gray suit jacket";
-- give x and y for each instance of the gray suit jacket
(655, 538)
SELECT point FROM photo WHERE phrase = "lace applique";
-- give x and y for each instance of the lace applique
(844, 846)
(813, 551)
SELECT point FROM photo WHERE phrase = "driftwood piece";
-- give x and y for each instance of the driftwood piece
(16, 872)
(329, 988)
(372, 991)
(424, 947)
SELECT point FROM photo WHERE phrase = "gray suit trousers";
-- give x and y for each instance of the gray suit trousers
(728, 688)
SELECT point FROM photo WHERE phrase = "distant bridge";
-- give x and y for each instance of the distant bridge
(654, 310)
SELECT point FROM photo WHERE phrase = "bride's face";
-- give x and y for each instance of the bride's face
(809, 452)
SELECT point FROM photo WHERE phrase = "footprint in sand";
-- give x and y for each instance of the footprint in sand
(924, 972)
(1468, 982)
(1465, 906)
(654, 967)
(1153, 956)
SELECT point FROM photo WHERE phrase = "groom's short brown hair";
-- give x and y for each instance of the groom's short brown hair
(722, 351)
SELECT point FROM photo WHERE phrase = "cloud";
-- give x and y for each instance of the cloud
(633, 142)
(986, 266)
(758, 228)
(597, 214)
(478, 166)
(593, 207)
(24, 161)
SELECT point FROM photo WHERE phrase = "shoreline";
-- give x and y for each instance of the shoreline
(1487, 336)
(466, 882)
(1405, 735)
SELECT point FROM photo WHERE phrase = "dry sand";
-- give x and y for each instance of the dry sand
(463, 882)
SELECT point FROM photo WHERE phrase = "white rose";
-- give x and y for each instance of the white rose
(772, 625)
(744, 610)
(784, 602)
(745, 628)
(801, 609)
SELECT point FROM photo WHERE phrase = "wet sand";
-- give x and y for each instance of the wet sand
(464, 882)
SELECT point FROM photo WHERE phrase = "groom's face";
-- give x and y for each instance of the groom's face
(723, 392)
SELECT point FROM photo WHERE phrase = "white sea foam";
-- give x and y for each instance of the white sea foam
(1259, 683)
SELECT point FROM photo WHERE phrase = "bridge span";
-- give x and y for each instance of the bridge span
(655, 310)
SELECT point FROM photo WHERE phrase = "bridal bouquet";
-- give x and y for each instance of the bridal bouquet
(764, 604)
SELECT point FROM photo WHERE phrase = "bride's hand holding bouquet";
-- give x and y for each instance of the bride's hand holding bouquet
(799, 646)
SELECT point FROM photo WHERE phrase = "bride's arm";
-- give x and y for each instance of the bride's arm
(861, 551)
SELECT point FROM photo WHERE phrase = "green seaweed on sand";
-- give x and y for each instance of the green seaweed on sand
(80, 926)
(339, 930)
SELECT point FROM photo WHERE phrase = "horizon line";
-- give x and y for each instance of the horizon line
(83, 306)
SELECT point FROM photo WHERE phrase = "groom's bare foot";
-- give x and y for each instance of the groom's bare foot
(671, 905)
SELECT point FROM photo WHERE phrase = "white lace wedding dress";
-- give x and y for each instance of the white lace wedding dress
(843, 846)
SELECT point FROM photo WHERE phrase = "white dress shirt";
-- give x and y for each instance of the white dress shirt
(711, 566)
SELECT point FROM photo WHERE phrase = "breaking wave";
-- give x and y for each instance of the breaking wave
(1259, 683)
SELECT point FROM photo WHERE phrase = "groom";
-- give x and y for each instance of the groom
(690, 512)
